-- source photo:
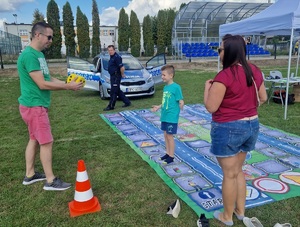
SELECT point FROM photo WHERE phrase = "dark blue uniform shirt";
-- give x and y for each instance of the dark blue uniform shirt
(114, 64)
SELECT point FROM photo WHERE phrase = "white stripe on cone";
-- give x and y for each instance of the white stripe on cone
(82, 176)
(83, 196)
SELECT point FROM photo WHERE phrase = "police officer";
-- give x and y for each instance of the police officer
(116, 70)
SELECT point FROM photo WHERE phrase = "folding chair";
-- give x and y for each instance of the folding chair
(263, 75)
(276, 75)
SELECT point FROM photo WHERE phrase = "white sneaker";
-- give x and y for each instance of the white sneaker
(252, 222)
(283, 225)
(174, 209)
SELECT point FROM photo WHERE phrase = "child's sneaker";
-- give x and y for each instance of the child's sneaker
(164, 157)
(169, 160)
(35, 178)
(56, 185)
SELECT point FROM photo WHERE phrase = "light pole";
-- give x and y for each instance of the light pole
(1, 62)
(16, 22)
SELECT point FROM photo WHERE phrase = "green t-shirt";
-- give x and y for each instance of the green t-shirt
(31, 95)
(170, 103)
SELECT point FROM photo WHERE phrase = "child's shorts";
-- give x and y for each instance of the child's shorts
(169, 128)
(37, 121)
(230, 138)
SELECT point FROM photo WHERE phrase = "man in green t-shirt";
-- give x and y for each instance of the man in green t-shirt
(36, 85)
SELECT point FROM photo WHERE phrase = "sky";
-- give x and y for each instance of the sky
(108, 9)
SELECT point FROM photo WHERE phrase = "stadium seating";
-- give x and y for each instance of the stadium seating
(199, 50)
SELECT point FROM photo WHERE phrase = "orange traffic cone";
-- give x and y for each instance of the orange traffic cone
(84, 201)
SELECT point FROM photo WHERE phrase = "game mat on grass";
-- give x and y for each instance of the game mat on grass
(272, 170)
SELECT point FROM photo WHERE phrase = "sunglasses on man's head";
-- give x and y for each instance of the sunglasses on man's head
(48, 36)
(220, 50)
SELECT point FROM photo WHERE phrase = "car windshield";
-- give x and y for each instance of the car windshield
(105, 63)
(129, 63)
(79, 64)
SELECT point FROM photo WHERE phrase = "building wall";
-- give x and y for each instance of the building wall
(10, 44)
(108, 34)
(22, 30)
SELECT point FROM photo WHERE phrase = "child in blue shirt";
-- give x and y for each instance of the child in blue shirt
(172, 102)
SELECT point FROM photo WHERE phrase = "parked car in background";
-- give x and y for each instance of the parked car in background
(138, 81)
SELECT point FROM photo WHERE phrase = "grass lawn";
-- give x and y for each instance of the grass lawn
(129, 190)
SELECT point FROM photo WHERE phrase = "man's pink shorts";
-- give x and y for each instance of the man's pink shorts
(37, 121)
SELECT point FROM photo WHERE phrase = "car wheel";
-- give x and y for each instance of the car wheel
(101, 92)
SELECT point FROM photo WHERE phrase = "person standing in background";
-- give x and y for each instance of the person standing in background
(116, 71)
(296, 47)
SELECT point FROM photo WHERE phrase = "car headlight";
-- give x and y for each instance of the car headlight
(150, 79)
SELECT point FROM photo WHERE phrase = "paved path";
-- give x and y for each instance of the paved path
(60, 64)
(14, 66)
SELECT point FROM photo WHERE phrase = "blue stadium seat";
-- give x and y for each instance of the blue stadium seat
(199, 54)
(186, 45)
(184, 50)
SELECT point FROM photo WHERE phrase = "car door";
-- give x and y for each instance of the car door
(86, 69)
(154, 67)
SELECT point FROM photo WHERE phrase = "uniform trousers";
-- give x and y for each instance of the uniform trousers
(115, 91)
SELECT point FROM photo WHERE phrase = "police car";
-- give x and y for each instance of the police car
(138, 81)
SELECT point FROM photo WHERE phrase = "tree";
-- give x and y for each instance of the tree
(123, 33)
(83, 39)
(161, 30)
(154, 30)
(38, 17)
(148, 35)
(171, 14)
(182, 5)
(135, 34)
(164, 25)
(69, 33)
(54, 50)
(96, 45)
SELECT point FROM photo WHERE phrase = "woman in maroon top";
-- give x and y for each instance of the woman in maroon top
(233, 97)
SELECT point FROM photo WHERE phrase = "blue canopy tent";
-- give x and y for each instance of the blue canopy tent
(281, 18)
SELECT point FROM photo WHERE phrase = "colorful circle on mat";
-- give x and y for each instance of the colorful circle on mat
(248, 156)
(252, 193)
(271, 185)
(290, 178)
(206, 195)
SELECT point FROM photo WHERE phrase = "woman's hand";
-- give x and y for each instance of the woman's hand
(208, 84)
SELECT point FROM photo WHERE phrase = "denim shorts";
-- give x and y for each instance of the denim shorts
(230, 138)
(170, 128)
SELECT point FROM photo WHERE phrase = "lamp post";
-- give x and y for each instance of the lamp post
(16, 22)
(1, 61)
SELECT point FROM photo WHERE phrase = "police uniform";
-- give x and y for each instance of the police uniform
(114, 65)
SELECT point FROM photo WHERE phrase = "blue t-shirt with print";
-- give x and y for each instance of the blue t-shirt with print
(170, 103)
